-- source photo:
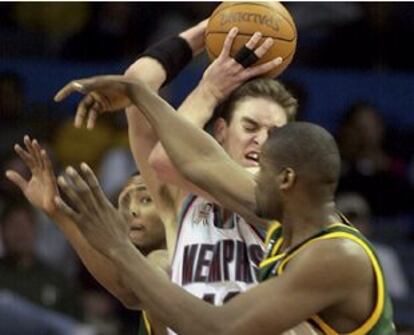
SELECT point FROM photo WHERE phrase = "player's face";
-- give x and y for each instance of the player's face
(248, 129)
(146, 228)
(269, 198)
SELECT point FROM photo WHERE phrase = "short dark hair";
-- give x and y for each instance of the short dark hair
(308, 149)
(259, 88)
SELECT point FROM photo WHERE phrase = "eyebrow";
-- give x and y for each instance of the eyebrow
(251, 121)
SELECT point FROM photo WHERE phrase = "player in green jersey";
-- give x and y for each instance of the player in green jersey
(337, 283)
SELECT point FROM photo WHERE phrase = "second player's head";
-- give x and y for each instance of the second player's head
(146, 228)
(299, 169)
(247, 115)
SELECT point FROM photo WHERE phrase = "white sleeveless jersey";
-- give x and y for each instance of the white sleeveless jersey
(211, 262)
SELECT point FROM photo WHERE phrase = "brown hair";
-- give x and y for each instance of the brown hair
(259, 88)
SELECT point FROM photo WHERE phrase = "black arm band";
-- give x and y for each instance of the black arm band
(174, 53)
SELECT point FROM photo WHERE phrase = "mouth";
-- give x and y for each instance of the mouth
(252, 157)
(136, 227)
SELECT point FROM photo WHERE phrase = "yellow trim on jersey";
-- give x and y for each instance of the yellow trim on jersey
(376, 314)
(146, 323)
(273, 226)
(267, 261)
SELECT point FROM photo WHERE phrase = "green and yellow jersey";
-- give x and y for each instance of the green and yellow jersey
(144, 325)
(380, 322)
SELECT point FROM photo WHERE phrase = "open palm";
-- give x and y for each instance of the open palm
(41, 189)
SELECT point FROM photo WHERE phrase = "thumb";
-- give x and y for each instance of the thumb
(17, 179)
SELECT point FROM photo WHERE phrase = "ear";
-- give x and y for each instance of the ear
(220, 130)
(288, 179)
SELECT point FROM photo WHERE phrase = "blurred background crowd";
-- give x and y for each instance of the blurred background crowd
(353, 73)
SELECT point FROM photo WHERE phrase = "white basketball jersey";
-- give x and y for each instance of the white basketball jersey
(211, 262)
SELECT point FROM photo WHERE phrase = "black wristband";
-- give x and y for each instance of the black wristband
(174, 53)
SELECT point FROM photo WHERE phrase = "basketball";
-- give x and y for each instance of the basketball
(270, 18)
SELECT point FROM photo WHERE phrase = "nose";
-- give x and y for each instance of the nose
(260, 137)
(135, 211)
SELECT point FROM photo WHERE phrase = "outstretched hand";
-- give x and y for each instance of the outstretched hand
(41, 189)
(100, 97)
(225, 74)
(100, 222)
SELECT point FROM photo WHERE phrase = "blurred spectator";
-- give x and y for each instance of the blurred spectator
(51, 245)
(23, 273)
(357, 210)
(118, 159)
(19, 316)
(55, 20)
(15, 117)
(367, 168)
(116, 31)
(73, 146)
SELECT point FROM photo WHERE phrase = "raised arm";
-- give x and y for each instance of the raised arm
(195, 153)
(142, 138)
(222, 77)
(40, 191)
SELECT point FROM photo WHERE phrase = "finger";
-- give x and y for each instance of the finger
(266, 45)
(28, 143)
(93, 184)
(36, 149)
(48, 165)
(70, 192)
(66, 210)
(228, 42)
(82, 190)
(102, 100)
(25, 156)
(252, 42)
(83, 109)
(261, 69)
(73, 86)
(17, 179)
(93, 115)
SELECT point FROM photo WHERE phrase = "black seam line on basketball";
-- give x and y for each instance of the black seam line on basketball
(260, 5)
(245, 34)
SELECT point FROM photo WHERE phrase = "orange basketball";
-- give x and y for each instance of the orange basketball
(270, 18)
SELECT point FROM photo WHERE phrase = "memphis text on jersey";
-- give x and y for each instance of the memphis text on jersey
(209, 263)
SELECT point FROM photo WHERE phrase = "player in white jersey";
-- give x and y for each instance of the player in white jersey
(226, 249)
(212, 260)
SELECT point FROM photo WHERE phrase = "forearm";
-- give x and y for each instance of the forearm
(184, 142)
(188, 315)
(198, 107)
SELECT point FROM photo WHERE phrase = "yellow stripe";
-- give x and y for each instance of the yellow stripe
(267, 261)
(274, 225)
(376, 314)
(146, 323)
(343, 225)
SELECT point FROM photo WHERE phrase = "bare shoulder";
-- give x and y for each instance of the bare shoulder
(338, 261)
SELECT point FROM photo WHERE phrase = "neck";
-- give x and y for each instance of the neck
(300, 225)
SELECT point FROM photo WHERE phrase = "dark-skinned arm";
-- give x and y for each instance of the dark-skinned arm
(311, 283)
